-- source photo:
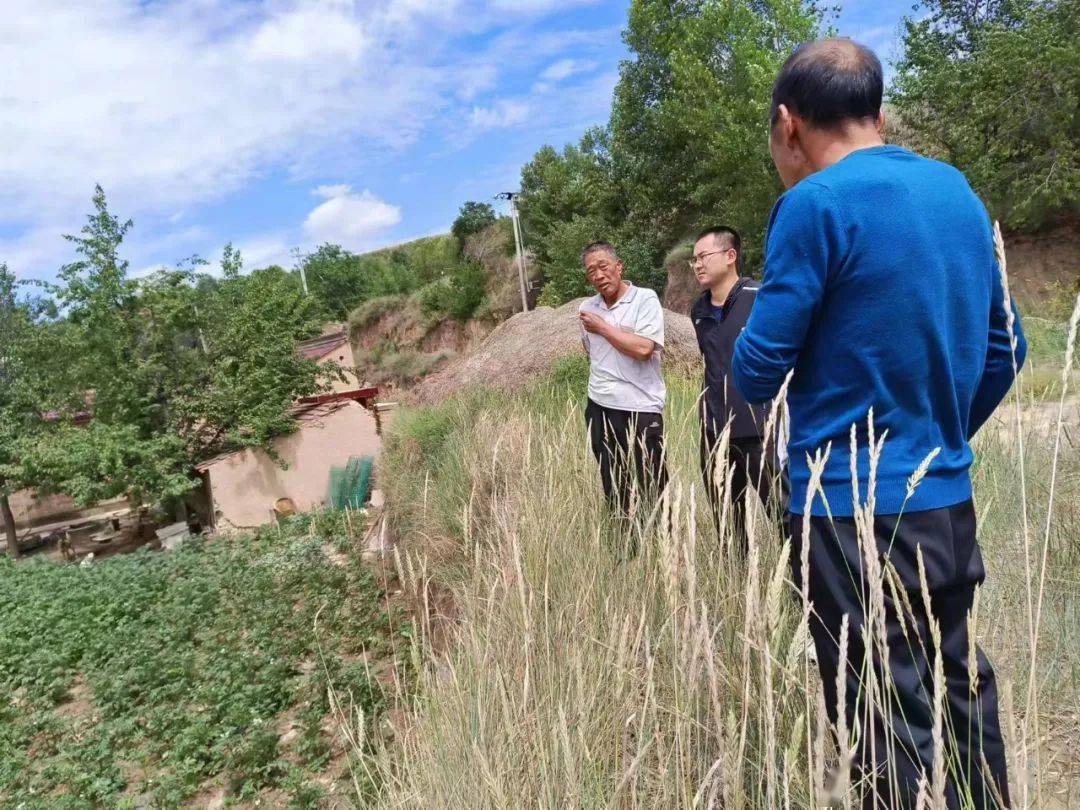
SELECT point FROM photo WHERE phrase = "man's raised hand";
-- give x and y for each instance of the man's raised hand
(593, 323)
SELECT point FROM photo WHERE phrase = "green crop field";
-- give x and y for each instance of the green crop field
(153, 679)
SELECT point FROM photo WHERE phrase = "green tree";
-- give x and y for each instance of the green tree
(571, 198)
(336, 279)
(689, 122)
(173, 368)
(425, 260)
(15, 324)
(457, 294)
(686, 146)
(34, 348)
(250, 374)
(472, 218)
(992, 87)
(557, 186)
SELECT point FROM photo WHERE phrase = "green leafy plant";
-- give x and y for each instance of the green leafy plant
(156, 674)
(472, 218)
(993, 89)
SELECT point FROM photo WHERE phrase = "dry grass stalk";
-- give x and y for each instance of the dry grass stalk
(817, 469)
(674, 679)
(1070, 345)
(937, 782)
(1010, 322)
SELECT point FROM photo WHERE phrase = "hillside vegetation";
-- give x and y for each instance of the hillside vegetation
(432, 298)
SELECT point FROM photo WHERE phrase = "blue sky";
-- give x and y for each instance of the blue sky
(281, 124)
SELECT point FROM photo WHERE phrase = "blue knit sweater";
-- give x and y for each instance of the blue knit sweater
(881, 291)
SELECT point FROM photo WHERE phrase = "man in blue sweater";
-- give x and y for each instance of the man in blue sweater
(882, 293)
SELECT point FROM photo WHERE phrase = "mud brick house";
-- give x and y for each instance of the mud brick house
(240, 489)
(332, 346)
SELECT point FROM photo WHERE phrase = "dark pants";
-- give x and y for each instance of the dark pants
(753, 468)
(954, 567)
(629, 446)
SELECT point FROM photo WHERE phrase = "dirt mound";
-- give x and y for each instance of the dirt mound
(682, 288)
(527, 346)
(1043, 265)
(394, 344)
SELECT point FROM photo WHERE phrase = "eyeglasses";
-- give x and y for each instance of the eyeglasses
(700, 258)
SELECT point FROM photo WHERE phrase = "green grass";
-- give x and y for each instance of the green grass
(373, 309)
(154, 675)
(388, 362)
(1046, 341)
(555, 671)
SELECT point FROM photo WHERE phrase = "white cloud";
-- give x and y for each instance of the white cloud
(405, 12)
(533, 6)
(877, 38)
(476, 79)
(262, 250)
(348, 218)
(148, 270)
(332, 190)
(38, 250)
(258, 250)
(171, 104)
(503, 113)
(174, 104)
(309, 33)
(565, 68)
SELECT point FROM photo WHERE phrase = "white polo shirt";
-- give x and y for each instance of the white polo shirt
(615, 380)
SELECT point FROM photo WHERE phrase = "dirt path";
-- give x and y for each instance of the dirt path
(1040, 419)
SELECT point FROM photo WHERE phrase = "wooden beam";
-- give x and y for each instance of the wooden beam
(357, 395)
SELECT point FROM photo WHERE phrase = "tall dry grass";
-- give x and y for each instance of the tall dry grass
(554, 673)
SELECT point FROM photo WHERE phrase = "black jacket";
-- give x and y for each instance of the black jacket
(716, 339)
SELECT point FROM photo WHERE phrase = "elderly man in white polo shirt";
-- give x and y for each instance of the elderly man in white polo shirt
(623, 333)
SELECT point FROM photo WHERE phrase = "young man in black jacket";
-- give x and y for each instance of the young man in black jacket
(719, 315)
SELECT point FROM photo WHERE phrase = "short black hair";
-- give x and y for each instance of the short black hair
(731, 234)
(599, 244)
(828, 82)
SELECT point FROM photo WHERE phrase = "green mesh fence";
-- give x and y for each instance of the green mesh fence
(349, 485)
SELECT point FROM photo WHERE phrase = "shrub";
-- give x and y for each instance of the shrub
(473, 218)
(458, 294)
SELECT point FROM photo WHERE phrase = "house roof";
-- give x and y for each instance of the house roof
(318, 347)
(362, 395)
(306, 412)
(304, 415)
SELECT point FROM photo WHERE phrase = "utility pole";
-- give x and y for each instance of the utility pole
(198, 327)
(519, 245)
(299, 259)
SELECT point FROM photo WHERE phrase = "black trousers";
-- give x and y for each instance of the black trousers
(629, 447)
(904, 721)
(754, 468)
